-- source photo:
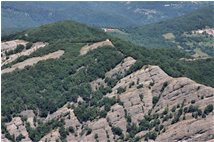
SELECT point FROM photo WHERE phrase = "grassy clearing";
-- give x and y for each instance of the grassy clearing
(169, 36)
(199, 54)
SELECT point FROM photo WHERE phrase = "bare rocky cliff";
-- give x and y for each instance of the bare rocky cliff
(176, 108)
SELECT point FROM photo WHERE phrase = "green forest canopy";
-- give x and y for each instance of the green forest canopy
(49, 85)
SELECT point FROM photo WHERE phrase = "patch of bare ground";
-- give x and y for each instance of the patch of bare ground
(169, 36)
(53, 136)
(11, 45)
(29, 114)
(85, 49)
(4, 139)
(194, 59)
(97, 83)
(121, 68)
(100, 128)
(17, 127)
(189, 130)
(116, 117)
(33, 61)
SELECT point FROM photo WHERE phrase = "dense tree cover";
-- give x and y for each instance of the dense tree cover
(85, 113)
(29, 45)
(37, 133)
(49, 85)
(54, 82)
(90, 110)
(74, 31)
(18, 49)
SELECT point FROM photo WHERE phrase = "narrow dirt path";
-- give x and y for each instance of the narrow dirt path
(85, 49)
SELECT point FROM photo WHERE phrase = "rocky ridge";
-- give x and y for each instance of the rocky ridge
(135, 94)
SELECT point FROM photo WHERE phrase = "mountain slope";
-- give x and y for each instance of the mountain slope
(180, 104)
(192, 33)
(70, 30)
(116, 14)
(72, 97)
(152, 35)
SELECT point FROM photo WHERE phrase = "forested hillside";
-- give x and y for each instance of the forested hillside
(151, 35)
(179, 32)
(73, 31)
(49, 85)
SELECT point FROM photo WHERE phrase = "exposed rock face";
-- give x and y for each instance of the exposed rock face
(97, 83)
(85, 49)
(120, 69)
(71, 138)
(11, 45)
(33, 61)
(144, 76)
(53, 136)
(29, 114)
(72, 121)
(4, 139)
(136, 101)
(171, 92)
(189, 130)
(184, 90)
(116, 117)
(16, 127)
(59, 113)
(100, 128)
(133, 104)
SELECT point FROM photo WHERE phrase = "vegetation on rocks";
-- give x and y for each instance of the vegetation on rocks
(155, 100)
(117, 131)
(47, 86)
(18, 49)
(208, 109)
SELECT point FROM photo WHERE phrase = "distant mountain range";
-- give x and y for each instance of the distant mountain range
(195, 20)
(21, 15)
(176, 32)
